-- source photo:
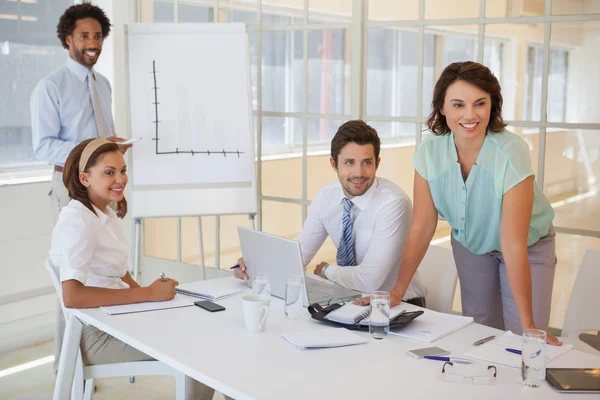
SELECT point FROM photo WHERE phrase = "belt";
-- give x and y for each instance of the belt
(58, 168)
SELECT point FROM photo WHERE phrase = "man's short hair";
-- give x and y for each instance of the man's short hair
(355, 131)
(67, 22)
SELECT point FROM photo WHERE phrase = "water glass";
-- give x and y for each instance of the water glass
(533, 362)
(261, 286)
(294, 289)
(379, 319)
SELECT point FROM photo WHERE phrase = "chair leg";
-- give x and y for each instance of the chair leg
(68, 359)
(132, 379)
(89, 389)
(180, 383)
(77, 389)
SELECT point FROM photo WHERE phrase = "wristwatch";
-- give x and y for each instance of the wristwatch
(323, 271)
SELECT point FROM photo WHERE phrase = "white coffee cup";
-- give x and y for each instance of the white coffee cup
(256, 312)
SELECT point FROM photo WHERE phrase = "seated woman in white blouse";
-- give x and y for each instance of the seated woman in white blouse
(89, 247)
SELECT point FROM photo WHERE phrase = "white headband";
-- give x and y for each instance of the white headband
(89, 150)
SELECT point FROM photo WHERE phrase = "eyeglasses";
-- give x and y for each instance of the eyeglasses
(341, 301)
(454, 377)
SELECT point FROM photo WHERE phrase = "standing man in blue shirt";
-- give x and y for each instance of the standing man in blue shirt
(74, 103)
(71, 105)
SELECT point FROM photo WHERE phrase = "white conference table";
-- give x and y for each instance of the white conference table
(215, 349)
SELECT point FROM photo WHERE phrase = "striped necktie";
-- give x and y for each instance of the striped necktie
(345, 253)
(103, 131)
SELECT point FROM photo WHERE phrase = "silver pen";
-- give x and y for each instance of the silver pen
(484, 340)
(163, 277)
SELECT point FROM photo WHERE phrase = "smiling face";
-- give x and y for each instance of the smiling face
(85, 44)
(356, 166)
(467, 109)
(106, 180)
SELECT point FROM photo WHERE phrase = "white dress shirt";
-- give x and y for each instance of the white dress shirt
(88, 248)
(381, 219)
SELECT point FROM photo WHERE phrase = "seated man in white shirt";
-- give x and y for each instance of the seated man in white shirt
(367, 218)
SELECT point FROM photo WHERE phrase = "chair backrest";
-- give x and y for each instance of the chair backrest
(54, 273)
(582, 311)
(438, 274)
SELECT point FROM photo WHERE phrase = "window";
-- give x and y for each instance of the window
(283, 87)
(557, 84)
(29, 51)
(392, 63)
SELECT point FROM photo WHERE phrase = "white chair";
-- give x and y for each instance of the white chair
(89, 373)
(438, 274)
(582, 311)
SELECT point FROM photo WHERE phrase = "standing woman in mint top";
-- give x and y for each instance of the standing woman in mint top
(478, 176)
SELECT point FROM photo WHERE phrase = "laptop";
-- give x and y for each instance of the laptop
(281, 258)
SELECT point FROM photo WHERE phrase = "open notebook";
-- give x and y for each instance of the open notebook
(206, 290)
(351, 313)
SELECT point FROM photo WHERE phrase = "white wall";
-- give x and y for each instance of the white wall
(27, 298)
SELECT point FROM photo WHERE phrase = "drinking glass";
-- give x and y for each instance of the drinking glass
(294, 297)
(379, 319)
(261, 286)
(533, 357)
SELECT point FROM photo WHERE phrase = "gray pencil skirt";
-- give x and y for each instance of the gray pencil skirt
(486, 295)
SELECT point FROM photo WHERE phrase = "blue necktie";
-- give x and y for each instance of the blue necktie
(345, 253)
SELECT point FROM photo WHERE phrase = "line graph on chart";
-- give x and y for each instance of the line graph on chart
(185, 123)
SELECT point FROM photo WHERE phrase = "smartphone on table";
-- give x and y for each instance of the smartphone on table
(209, 306)
(427, 351)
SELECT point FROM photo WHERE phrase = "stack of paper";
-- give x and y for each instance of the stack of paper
(432, 325)
(323, 338)
(206, 290)
(178, 301)
(495, 350)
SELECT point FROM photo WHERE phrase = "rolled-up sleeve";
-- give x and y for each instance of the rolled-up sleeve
(45, 125)
(77, 243)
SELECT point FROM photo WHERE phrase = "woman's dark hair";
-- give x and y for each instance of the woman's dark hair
(355, 131)
(71, 172)
(475, 74)
(67, 22)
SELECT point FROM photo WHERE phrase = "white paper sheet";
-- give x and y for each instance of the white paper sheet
(178, 301)
(431, 325)
(495, 351)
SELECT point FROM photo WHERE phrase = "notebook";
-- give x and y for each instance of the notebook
(206, 290)
(432, 325)
(177, 301)
(351, 313)
(494, 351)
(323, 338)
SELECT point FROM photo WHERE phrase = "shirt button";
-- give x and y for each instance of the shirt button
(462, 219)
(462, 231)
(463, 188)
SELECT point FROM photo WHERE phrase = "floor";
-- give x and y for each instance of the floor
(37, 383)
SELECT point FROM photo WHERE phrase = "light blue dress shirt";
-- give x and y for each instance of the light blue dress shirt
(62, 114)
(474, 208)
